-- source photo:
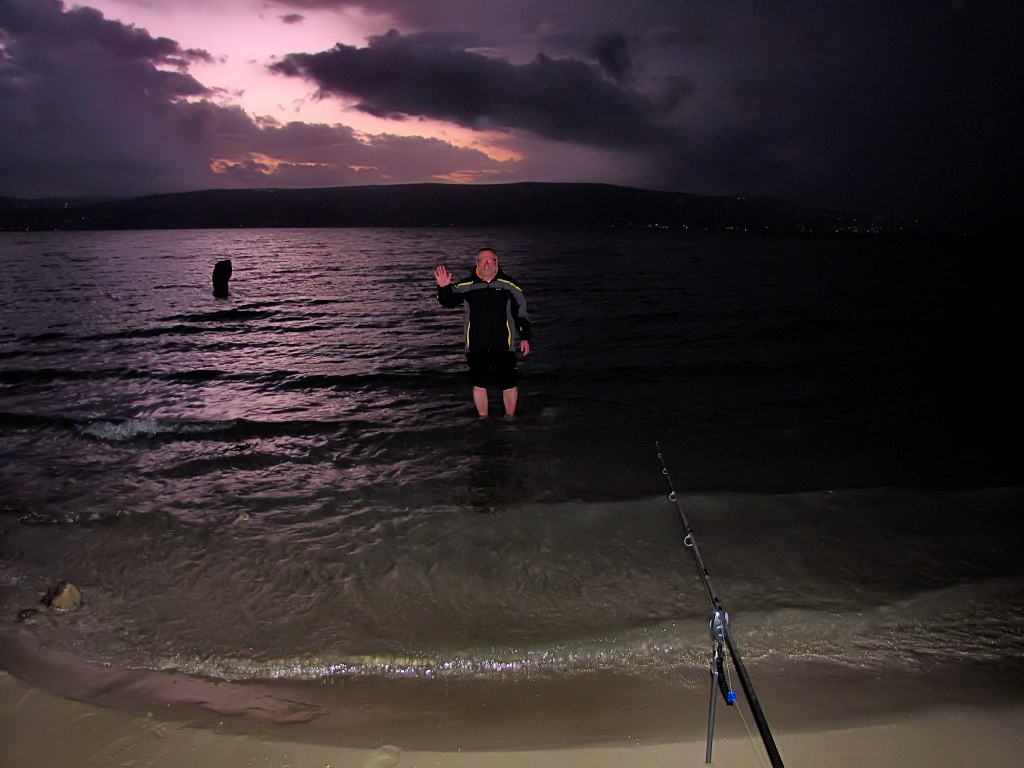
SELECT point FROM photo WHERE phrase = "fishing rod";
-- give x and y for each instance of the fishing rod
(720, 632)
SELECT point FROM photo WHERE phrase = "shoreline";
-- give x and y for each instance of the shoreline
(519, 712)
(44, 730)
(58, 711)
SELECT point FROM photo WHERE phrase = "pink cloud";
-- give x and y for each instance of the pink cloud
(85, 109)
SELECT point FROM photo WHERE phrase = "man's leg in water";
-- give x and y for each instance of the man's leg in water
(480, 401)
(510, 396)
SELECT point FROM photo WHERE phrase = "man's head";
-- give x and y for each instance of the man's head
(486, 264)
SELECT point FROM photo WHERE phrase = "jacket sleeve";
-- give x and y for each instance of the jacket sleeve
(520, 315)
(448, 297)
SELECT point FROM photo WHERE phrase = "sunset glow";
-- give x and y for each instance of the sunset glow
(245, 36)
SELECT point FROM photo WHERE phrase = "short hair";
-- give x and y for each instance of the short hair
(481, 250)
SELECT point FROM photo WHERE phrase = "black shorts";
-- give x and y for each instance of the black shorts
(495, 368)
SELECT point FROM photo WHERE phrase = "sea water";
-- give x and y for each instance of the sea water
(291, 484)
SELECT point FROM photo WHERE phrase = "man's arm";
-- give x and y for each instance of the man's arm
(521, 318)
(445, 293)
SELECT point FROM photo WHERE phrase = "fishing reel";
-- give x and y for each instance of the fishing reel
(718, 675)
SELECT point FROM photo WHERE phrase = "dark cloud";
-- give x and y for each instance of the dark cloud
(563, 99)
(44, 24)
(523, 16)
(292, 18)
(85, 110)
(907, 106)
(82, 102)
(613, 56)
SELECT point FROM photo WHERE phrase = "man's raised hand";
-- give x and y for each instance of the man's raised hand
(443, 276)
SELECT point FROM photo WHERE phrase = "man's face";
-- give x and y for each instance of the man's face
(487, 265)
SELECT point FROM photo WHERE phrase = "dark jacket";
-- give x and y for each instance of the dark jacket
(493, 310)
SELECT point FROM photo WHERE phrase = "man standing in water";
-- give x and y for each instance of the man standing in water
(495, 314)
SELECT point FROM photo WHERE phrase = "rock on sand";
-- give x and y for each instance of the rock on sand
(63, 597)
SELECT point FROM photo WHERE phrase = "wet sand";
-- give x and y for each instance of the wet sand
(41, 729)
(59, 711)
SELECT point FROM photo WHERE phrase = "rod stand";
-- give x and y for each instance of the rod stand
(718, 681)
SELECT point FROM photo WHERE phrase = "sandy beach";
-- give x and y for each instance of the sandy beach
(38, 728)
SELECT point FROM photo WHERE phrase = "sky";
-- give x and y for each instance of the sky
(899, 107)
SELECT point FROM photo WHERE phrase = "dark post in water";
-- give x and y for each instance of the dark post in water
(221, 275)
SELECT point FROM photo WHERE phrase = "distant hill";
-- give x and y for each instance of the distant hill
(426, 205)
